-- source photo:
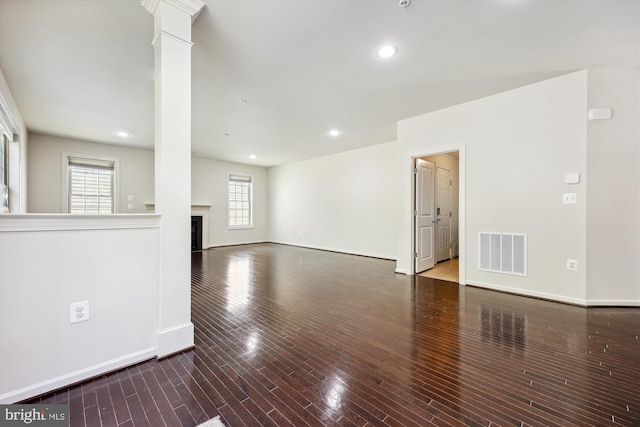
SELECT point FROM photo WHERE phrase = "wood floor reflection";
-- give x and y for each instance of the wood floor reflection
(290, 336)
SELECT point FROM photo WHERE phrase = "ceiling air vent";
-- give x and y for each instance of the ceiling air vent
(503, 253)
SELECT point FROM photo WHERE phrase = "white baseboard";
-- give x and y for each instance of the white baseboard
(401, 271)
(342, 251)
(613, 303)
(175, 339)
(321, 248)
(529, 293)
(74, 377)
(222, 245)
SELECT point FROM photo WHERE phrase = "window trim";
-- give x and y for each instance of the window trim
(251, 182)
(4, 174)
(4, 148)
(66, 156)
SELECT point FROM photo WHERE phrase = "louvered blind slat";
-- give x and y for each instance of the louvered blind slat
(90, 186)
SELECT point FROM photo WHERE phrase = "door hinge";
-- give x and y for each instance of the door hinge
(415, 213)
(449, 214)
(415, 171)
(415, 254)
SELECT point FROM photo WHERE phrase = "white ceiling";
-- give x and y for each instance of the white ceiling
(84, 68)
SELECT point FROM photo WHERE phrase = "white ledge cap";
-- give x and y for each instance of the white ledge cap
(192, 7)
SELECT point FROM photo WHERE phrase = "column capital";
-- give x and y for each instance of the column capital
(191, 7)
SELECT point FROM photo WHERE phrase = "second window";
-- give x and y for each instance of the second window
(239, 201)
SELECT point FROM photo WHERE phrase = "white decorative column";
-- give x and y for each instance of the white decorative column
(172, 46)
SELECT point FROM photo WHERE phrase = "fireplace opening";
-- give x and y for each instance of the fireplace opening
(196, 233)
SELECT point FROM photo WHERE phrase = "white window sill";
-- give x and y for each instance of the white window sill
(249, 227)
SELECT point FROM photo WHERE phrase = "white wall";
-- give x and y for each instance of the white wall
(45, 171)
(344, 202)
(50, 261)
(518, 145)
(136, 178)
(209, 179)
(613, 201)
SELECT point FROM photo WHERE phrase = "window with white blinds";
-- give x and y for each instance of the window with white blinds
(239, 201)
(91, 184)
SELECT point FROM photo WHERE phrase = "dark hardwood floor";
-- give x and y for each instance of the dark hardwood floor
(289, 336)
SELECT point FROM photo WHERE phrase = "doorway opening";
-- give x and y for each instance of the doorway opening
(438, 209)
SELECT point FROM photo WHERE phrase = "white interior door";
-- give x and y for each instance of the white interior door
(443, 214)
(424, 216)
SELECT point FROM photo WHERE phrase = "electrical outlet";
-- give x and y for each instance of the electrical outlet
(572, 264)
(79, 311)
(569, 198)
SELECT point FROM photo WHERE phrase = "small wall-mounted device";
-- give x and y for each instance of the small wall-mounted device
(571, 178)
(569, 198)
(599, 114)
(79, 311)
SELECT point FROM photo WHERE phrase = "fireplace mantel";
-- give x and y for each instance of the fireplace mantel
(196, 210)
(151, 207)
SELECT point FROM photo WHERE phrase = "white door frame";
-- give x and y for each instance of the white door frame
(462, 178)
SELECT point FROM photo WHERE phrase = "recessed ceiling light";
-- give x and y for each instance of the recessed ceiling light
(123, 134)
(387, 51)
(243, 101)
(334, 132)
(253, 156)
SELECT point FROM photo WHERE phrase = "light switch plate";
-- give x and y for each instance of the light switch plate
(569, 198)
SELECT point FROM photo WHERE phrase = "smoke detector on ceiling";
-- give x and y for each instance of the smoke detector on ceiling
(404, 3)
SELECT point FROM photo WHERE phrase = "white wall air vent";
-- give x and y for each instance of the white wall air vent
(503, 253)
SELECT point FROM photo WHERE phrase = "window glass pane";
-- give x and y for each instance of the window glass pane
(239, 201)
(91, 187)
(3, 160)
(4, 177)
